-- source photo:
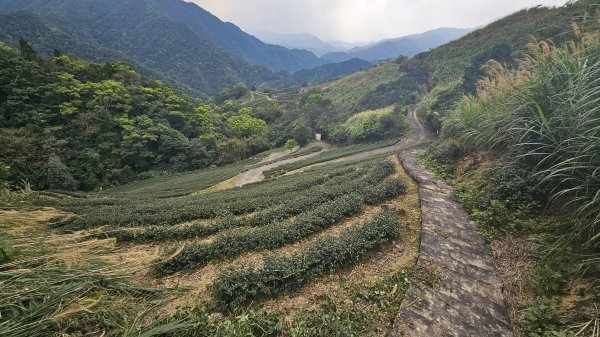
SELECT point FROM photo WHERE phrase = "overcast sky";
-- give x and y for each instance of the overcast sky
(362, 20)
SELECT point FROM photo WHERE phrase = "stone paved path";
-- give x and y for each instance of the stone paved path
(467, 301)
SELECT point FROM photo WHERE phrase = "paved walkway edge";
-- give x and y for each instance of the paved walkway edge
(467, 301)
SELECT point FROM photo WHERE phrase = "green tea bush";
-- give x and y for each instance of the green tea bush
(385, 190)
(296, 204)
(364, 181)
(232, 243)
(152, 211)
(281, 272)
(315, 211)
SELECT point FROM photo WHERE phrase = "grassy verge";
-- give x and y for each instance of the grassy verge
(547, 291)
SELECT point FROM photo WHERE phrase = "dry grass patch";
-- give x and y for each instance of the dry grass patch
(21, 222)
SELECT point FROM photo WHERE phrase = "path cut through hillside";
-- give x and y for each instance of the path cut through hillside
(418, 136)
(466, 299)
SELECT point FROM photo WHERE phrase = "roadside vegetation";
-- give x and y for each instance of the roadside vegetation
(524, 155)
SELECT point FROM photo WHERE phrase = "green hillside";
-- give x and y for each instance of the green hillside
(135, 31)
(453, 69)
(233, 40)
(68, 124)
(347, 93)
(450, 61)
(129, 207)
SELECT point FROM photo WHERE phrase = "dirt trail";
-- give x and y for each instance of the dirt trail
(418, 136)
(278, 155)
(255, 174)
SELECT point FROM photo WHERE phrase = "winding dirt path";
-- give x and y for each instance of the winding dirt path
(255, 174)
(417, 137)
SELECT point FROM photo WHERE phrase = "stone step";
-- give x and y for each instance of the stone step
(467, 299)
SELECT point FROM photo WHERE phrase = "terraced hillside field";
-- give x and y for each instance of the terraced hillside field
(287, 249)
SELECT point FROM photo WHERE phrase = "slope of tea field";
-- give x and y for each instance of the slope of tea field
(292, 245)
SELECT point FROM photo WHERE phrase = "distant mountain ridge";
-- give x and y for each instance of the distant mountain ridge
(169, 39)
(406, 46)
(300, 41)
(330, 71)
(183, 44)
(233, 40)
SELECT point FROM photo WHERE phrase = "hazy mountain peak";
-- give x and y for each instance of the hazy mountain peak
(409, 45)
(299, 41)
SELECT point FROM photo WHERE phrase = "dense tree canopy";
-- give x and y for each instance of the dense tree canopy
(69, 124)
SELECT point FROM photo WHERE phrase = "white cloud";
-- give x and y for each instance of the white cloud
(362, 20)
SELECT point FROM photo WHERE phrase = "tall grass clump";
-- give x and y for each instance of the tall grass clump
(545, 116)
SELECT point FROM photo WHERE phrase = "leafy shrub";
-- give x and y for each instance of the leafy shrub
(290, 144)
(385, 190)
(491, 207)
(446, 153)
(371, 307)
(371, 125)
(541, 319)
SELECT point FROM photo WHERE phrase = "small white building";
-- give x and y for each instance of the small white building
(318, 136)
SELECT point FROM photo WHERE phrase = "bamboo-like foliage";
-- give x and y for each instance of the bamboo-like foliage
(545, 114)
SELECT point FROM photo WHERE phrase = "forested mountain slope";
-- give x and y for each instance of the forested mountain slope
(153, 37)
(69, 124)
(233, 40)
